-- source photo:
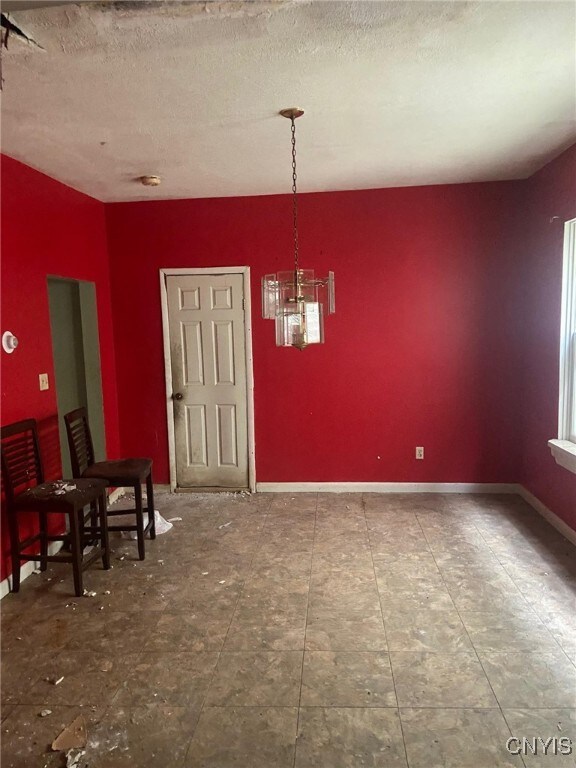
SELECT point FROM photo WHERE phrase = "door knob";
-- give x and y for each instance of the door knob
(177, 396)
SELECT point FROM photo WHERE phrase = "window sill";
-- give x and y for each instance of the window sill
(564, 453)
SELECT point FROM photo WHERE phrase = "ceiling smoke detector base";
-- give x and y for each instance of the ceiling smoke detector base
(150, 181)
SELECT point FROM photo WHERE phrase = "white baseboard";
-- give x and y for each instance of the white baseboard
(547, 514)
(27, 568)
(387, 488)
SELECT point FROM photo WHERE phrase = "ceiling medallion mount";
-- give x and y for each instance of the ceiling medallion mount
(291, 112)
(150, 181)
(295, 299)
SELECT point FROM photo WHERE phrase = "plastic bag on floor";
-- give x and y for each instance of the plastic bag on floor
(161, 525)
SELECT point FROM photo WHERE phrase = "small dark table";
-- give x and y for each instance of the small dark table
(52, 497)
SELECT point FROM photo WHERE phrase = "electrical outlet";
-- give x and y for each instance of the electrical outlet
(419, 452)
(43, 379)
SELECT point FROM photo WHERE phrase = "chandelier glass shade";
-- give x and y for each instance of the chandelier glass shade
(295, 299)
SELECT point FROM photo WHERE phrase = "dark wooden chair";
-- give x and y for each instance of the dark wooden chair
(124, 473)
(26, 491)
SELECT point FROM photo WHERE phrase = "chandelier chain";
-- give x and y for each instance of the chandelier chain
(294, 196)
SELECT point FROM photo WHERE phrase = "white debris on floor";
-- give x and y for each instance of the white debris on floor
(161, 525)
(73, 757)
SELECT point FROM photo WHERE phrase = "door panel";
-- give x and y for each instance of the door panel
(223, 353)
(192, 353)
(196, 452)
(207, 350)
(227, 444)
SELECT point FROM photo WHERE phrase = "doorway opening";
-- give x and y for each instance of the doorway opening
(76, 353)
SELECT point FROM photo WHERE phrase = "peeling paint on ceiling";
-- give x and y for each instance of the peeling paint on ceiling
(193, 8)
(396, 93)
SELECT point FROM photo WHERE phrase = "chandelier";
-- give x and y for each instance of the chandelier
(295, 299)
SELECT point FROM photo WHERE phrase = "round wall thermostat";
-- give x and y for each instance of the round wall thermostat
(9, 342)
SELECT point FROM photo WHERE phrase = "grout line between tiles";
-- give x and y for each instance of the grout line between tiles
(363, 502)
(511, 732)
(528, 604)
(468, 634)
(233, 613)
(305, 631)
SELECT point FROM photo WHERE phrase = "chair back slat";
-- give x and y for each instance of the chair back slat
(79, 441)
(21, 462)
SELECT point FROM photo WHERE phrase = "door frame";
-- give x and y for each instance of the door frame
(245, 272)
(91, 363)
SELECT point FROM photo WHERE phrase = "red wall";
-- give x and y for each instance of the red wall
(415, 355)
(548, 194)
(446, 332)
(48, 229)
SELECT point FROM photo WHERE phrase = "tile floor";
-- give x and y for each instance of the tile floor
(306, 631)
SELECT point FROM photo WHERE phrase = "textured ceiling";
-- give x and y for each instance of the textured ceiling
(395, 93)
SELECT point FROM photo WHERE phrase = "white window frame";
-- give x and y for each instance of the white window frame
(564, 448)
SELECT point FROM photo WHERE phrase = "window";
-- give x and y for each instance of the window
(564, 448)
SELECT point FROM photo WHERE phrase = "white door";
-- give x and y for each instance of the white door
(208, 358)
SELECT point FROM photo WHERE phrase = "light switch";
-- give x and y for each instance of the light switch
(43, 378)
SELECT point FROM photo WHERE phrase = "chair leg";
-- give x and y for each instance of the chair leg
(14, 549)
(104, 541)
(94, 519)
(82, 531)
(43, 528)
(76, 550)
(139, 520)
(150, 497)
